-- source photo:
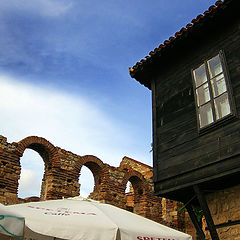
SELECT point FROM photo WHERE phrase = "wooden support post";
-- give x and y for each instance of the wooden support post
(196, 223)
(206, 212)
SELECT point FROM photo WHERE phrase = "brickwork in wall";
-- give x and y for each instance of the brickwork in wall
(61, 179)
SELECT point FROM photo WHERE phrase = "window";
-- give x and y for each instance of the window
(211, 91)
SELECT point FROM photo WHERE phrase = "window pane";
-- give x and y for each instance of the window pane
(218, 85)
(215, 66)
(222, 106)
(205, 115)
(203, 94)
(200, 76)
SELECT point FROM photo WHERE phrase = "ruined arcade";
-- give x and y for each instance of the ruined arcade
(61, 179)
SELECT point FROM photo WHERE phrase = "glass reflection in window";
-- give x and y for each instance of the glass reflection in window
(200, 75)
(218, 85)
(205, 115)
(222, 106)
(203, 94)
(215, 66)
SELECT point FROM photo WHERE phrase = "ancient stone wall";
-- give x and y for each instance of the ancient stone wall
(61, 179)
(9, 171)
(224, 206)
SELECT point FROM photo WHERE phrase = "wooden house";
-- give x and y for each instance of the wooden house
(195, 82)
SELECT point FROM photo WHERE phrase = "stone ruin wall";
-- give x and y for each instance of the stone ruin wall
(224, 205)
(61, 179)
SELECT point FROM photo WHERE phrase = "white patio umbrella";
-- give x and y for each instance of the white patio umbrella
(84, 219)
(10, 223)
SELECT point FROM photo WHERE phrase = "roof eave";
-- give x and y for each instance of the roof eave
(141, 70)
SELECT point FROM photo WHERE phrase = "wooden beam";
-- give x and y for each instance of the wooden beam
(196, 223)
(226, 224)
(154, 130)
(206, 212)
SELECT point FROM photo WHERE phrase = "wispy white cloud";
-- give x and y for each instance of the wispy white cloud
(29, 183)
(86, 182)
(50, 8)
(70, 122)
(32, 170)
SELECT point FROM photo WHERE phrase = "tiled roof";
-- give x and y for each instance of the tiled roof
(167, 44)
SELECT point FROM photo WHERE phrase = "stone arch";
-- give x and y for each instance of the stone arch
(136, 197)
(137, 179)
(46, 150)
(96, 166)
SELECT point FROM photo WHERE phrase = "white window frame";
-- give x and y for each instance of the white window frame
(212, 91)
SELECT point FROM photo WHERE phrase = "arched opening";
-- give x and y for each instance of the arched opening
(48, 153)
(32, 170)
(134, 192)
(129, 192)
(86, 182)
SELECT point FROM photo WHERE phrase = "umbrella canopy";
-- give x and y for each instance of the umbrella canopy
(10, 223)
(78, 218)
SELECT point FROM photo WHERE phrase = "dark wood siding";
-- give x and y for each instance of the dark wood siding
(183, 155)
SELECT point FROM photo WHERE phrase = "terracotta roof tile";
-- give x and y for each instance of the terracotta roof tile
(211, 11)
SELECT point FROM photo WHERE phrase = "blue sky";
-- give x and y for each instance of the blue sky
(64, 74)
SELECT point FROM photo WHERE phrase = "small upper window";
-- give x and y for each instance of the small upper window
(211, 91)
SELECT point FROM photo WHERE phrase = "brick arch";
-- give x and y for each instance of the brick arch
(136, 178)
(135, 200)
(95, 165)
(91, 158)
(46, 150)
(49, 154)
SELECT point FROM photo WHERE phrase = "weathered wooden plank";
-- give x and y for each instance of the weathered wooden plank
(183, 155)
(194, 155)
(196, 164)
(207, 173)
